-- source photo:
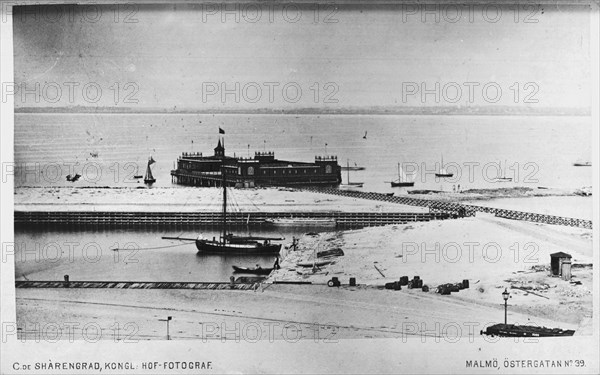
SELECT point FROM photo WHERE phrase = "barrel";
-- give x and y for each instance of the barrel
(353, 281)
(404, 280)
(335, 280)
(419, 284)
(389, 285)
(465, 283)
(425, 288)
(416, 278)
(410, 284)
(397, 286)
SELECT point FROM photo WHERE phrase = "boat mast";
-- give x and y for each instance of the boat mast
(224, 205)
(348, 167)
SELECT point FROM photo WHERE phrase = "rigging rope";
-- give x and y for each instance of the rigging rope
(154, 248)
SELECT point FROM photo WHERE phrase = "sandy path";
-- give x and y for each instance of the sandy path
(294, 312)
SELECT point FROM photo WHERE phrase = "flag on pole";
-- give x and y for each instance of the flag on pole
(221, 131)
(151, 161)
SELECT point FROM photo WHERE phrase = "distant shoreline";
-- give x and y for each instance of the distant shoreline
(404, 111)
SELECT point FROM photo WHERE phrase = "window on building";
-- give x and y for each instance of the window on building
(250, 171)
(328, 169)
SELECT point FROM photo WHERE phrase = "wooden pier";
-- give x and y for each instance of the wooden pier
(135, 285)
(203, 219)
(459, 209)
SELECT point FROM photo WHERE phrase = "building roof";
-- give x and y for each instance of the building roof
(560, 254)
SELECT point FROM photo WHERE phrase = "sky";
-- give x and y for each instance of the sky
(250, 57)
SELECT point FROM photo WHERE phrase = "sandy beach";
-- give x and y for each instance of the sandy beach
(192, 199)
(559, 202)
(491, 253)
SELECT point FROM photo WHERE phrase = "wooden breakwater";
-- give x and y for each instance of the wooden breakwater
(135, 285)
(459, 209)
(199, 219)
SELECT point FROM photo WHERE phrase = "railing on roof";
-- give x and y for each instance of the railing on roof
(191, 154)
(326, 158)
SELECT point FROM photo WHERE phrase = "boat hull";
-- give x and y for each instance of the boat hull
(214, 247)
(316, 264)
(511, 330)
(253, 271)
(301, 223)
(352, 168)
(401, 184)
(352, 184)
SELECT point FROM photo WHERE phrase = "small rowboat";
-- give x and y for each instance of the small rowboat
(317, 264)
(254, 271)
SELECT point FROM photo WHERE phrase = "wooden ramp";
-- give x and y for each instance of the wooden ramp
(135, 285)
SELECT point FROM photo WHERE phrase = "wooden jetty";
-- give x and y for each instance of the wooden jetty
(200, 219)
(135, 285)
(459, 209)
(438, 210)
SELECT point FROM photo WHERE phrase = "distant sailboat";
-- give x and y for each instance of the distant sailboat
(356, 184)
(149, 178)
(580, 163)
(402, 179)
(353, 168)
(443, 172)
(137, 174)
(503, 178)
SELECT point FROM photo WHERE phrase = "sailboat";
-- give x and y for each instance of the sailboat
(402, 179)
(149, 178)
(357, 184)
(581, 163)
(503, 177)
(354, 168)
(228, 244)
(443, 172)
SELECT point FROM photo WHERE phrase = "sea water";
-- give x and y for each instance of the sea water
(109, 149)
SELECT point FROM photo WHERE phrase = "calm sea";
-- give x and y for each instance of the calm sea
(108, 149)
(141, 256)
